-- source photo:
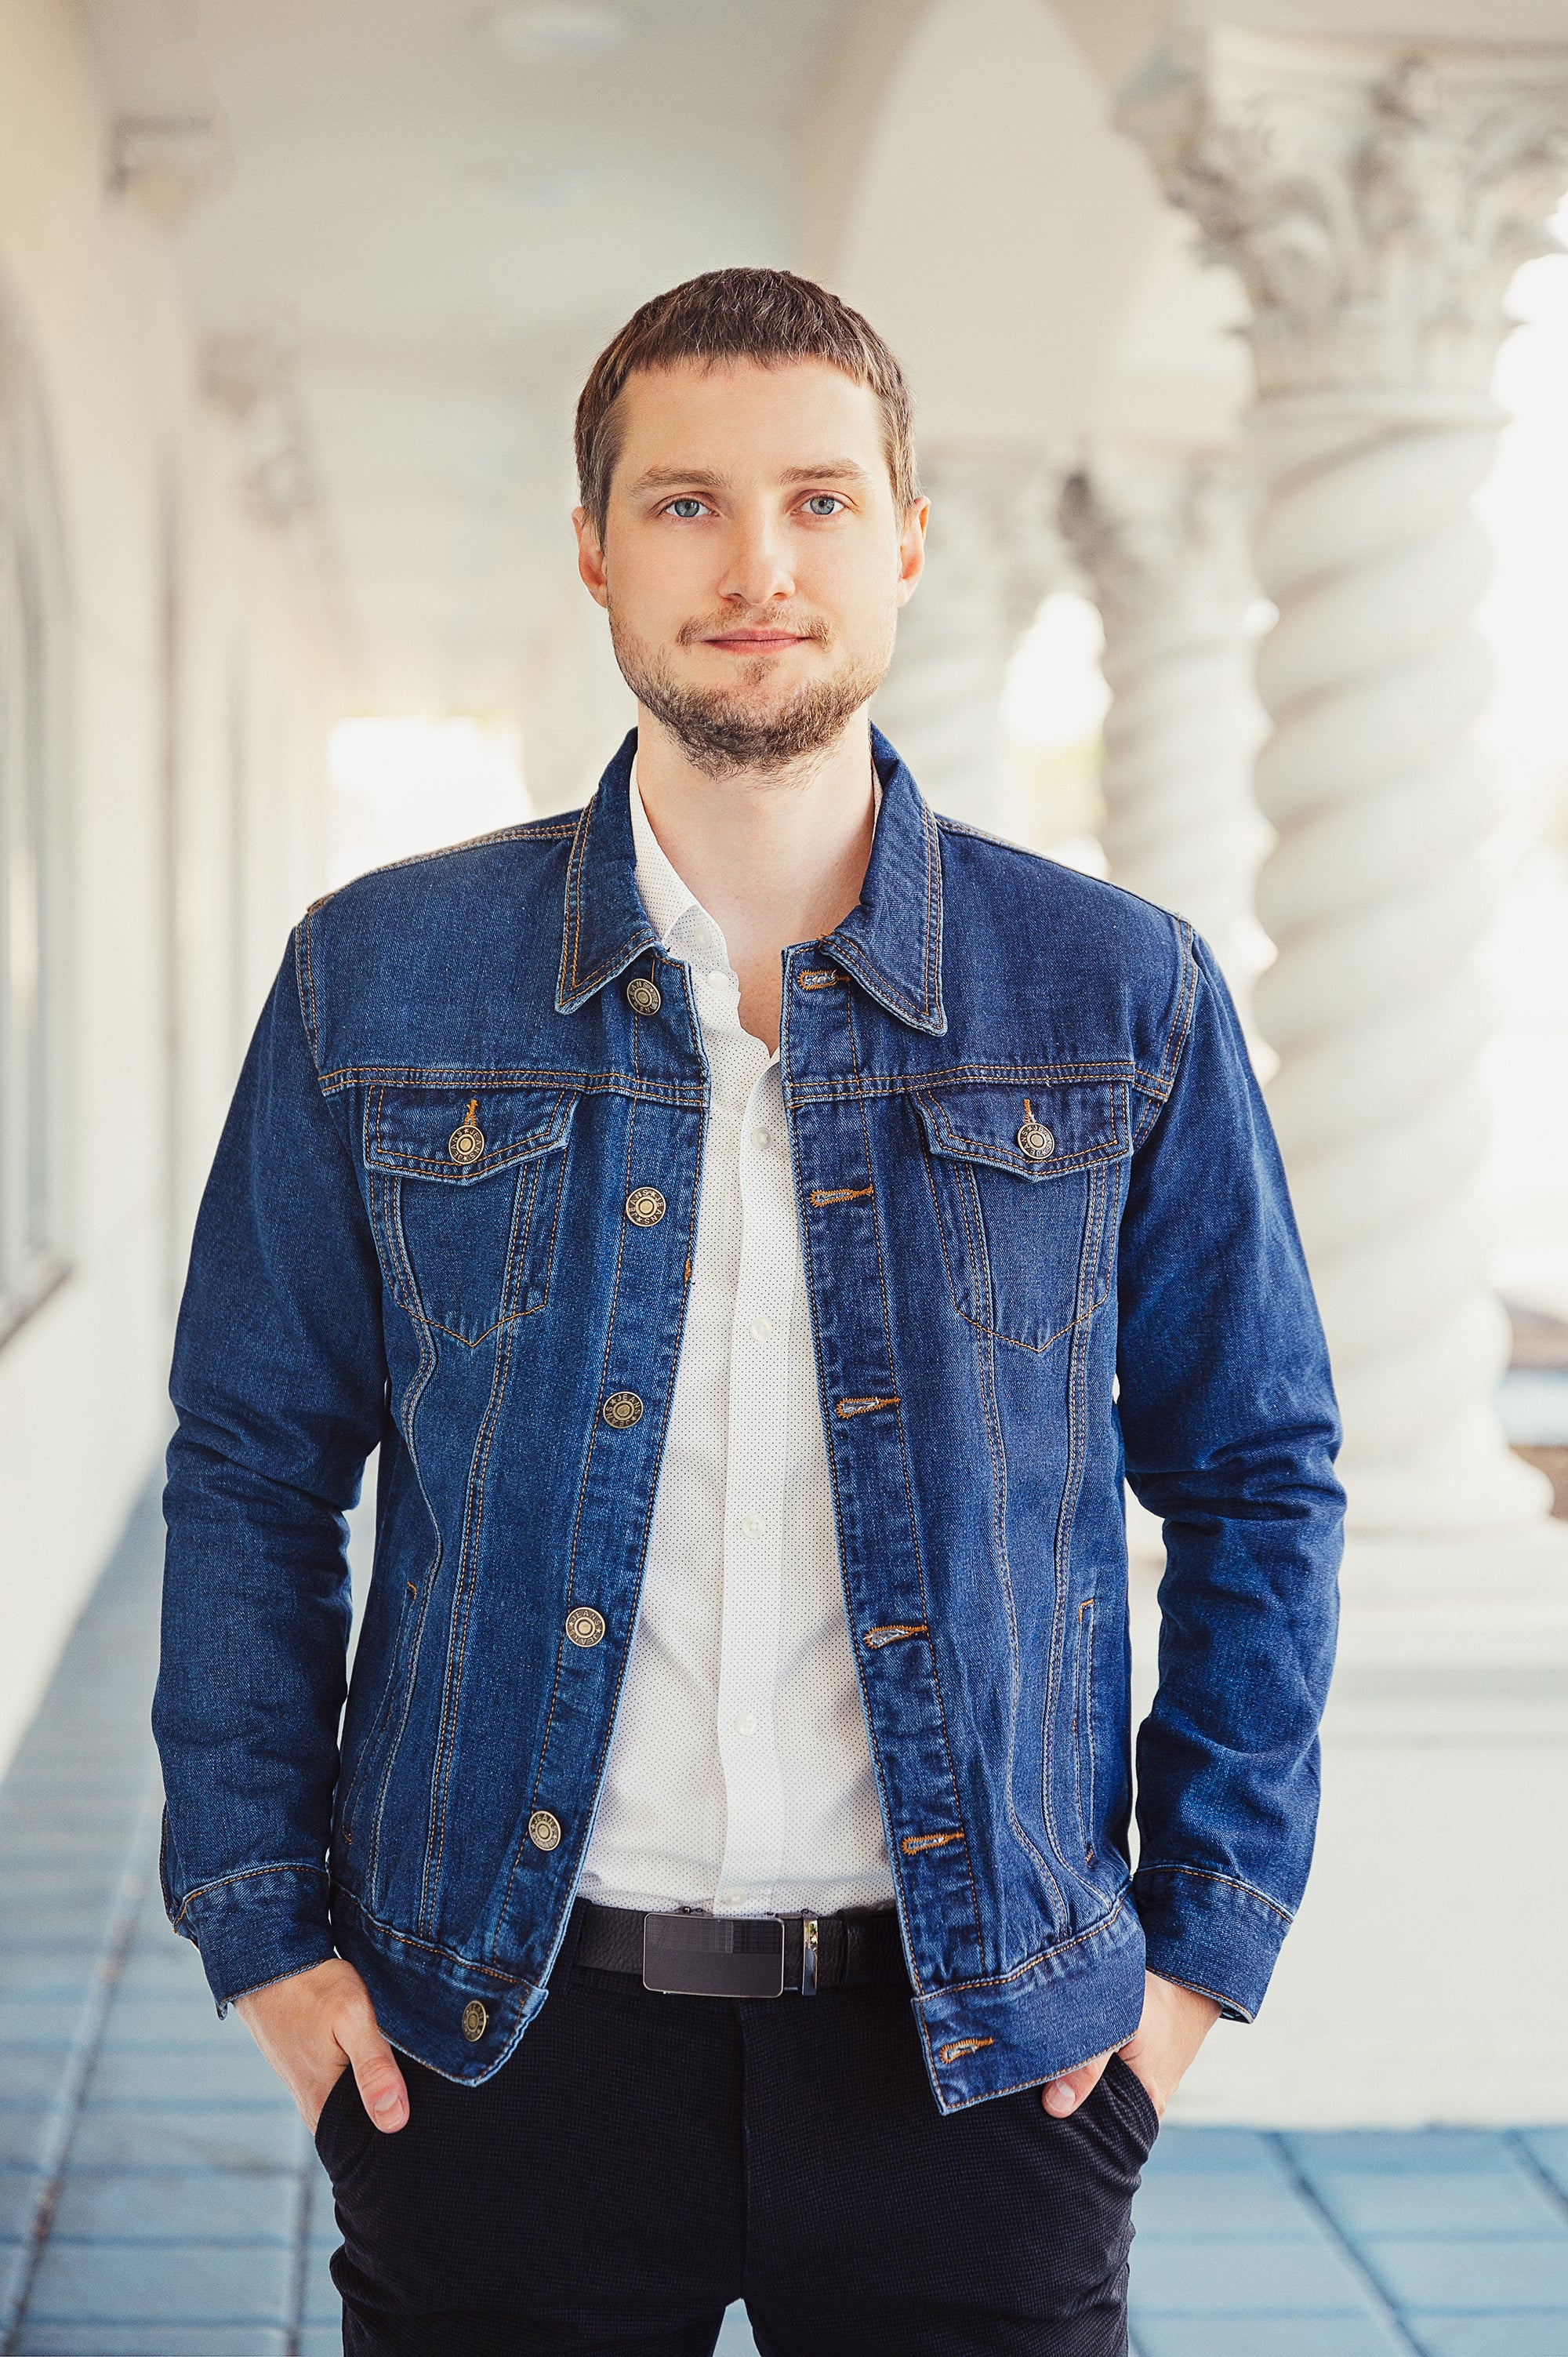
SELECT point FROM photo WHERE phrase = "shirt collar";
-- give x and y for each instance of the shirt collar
(666, 896)
(891, 942)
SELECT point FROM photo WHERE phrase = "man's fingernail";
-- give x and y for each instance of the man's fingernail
(1059, 2098)
(387, 2105)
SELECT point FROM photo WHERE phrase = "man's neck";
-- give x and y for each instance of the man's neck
(773, 859)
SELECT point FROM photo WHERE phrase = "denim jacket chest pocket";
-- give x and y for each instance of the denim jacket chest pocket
(463, 1182)
(1025, 1184)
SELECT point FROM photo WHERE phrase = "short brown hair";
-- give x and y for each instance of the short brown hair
(767, 316)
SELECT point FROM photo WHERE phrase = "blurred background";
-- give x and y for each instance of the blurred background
(1239, 342)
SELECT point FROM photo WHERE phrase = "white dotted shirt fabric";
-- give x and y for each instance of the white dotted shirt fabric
(739, 1778)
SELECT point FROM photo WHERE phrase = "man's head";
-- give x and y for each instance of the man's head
(750, 519)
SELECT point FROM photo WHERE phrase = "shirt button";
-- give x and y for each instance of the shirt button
(746, 1723)
(475, 2021)
(761, 1329)
(621, 1410)
(545, 1830)
(752, 1526)
(642, 997)
(732, 1898)
(584, 1625)
(762, 1138)
(645, 1206)
(718, 980)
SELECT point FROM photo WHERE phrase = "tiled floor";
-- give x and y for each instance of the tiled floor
(158, 2197)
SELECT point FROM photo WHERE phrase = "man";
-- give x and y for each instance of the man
(759, 1224)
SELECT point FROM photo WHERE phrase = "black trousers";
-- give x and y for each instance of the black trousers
(642, 2161)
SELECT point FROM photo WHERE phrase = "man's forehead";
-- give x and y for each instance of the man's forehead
(800, 415)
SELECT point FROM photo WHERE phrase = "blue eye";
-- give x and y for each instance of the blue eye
(823, 503)
(685, 508)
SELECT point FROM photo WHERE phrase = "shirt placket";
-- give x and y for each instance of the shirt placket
(757, 1453)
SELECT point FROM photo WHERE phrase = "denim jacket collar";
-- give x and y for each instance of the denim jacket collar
(891, 942)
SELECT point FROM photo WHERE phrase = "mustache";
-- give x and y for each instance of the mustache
(804, 625)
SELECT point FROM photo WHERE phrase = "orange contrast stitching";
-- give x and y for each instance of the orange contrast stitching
(839, 1194)
(848, 1408)
(913, 1843)
(893, 1630)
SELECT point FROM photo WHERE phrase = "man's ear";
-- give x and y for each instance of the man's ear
(590, 557)
(911, 548)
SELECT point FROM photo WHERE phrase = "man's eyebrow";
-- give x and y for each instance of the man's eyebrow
(708, 478)
(832, 471)
(659, 479)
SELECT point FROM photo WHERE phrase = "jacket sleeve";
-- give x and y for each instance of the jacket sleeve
(279, 1382)
(1229, 1429)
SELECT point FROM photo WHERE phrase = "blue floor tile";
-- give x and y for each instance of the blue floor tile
(234, 2073)
(1266, 2277)
(184, 2019)
(98, 2283)
(192, 2206)
(41, 2340)
(1210, 2149)
(1492, 2277)
(27, 2131)
(1272, 2336)
(322, 2303)
(1402, 2152)
(203, 2136)
(19, 2192)
(1549, 2148)
(1443, 2204)
(1189, 2205)
(33, 2078)
(1490, 2336)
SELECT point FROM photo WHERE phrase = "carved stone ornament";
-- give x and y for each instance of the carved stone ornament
(1375, 202)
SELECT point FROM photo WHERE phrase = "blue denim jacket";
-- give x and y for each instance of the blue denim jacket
(1047, 1243)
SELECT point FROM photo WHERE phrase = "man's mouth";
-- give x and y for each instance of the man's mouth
(757, 642)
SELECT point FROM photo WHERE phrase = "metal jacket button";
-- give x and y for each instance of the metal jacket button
(621, 1410)
(475, 2021)
(543, 1830)
(1034, 1140)
(642, 997)
(645, 1206)
(466, 1143)
(584, 1625)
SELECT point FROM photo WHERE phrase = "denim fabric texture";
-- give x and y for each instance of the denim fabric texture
(1047, 1243)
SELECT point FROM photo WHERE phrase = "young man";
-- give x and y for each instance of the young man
(760, 1224)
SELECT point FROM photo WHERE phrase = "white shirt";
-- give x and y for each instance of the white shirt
(739, 1778)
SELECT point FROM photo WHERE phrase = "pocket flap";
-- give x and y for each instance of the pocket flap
(1035, 1130)
(461, 1133)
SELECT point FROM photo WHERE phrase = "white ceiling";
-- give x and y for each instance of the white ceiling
(446, 220)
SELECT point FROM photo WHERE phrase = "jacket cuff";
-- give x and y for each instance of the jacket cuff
(256, 1926)
(1210, 1932)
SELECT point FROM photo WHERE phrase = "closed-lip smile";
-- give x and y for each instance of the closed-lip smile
(757, 641)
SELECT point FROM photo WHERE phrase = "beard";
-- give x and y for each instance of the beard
(725, 732)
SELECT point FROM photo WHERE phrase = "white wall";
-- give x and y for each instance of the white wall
(179, 898)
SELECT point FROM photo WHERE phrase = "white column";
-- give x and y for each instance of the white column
(1376, 204)
(1162, 539)
(992, 551)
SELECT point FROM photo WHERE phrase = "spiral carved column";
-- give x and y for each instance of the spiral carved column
(1375, 207)
(993, 553)
(1163, 542)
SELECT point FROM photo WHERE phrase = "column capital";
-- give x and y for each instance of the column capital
(1375, 197)
(1162, 535)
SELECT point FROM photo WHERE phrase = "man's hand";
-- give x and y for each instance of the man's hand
(1161, 2051)
(317, 2025)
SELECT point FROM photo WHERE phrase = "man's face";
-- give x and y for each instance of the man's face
(753, 563)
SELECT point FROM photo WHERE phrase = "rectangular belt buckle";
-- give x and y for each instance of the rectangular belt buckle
(710, 1955)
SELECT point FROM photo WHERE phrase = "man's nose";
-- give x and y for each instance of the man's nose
(757, 572)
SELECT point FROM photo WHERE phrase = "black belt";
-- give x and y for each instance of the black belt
(740, 1955)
